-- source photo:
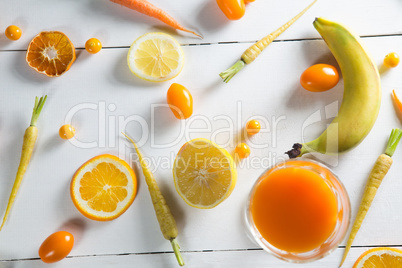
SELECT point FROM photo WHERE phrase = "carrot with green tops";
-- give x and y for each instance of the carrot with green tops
(30, 136)
(377, 174)
(165, 218)
(146, 8)
(253, 51)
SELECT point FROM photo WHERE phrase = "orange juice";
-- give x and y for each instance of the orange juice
(293, 208)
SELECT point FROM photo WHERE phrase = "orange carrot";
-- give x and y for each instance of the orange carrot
(146, 8)
(397, 101)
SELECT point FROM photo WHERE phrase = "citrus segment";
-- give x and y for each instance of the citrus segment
(103, 188)
(380, 258)
(50, 53)
(155, 57)
(204, 173)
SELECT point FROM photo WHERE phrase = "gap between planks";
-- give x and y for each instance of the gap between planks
(171, 252)
(225, 42)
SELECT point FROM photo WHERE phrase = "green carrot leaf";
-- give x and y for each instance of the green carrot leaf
(37, 109)
(229, 73)
(176, 249)
(393, 141)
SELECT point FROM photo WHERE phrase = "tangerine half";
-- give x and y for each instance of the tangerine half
(50, 53)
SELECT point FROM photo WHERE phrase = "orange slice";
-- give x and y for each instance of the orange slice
(380, 258)
(50, 53)
(103, 188)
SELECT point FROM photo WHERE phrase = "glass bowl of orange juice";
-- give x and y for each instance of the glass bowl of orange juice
(298, 211)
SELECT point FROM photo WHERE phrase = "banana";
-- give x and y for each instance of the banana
(361, 98)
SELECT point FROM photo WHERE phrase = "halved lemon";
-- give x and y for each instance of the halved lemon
(103, 188)
(155, 57)
(380, 258)
(204, 173)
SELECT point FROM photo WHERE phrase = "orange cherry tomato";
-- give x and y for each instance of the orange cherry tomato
(253, 127)
(13, 32)
(248, 1)
(180, 101)
(56, 247)
(66, 132)
(93, 45)
(233, 9)
(391, 60)
(242, 150)
(319, 77)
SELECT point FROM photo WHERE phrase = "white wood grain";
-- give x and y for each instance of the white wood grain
(118, 26)
(268, 88)
(251, 258)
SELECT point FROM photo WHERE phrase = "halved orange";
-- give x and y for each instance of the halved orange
(380, 258)
(103, 188)
(50, 53)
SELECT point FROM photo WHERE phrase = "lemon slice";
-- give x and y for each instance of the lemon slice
(103, 188)
(204, 173)
(380, 257)
(155, 57)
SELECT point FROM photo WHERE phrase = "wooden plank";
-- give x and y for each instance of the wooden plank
(254, 258)
(268, 88)
(118, 26)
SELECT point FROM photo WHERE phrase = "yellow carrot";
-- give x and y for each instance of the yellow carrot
(165, 218)
(377, 174)
(253, 51)
(31, 133)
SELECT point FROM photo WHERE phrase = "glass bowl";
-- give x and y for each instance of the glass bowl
(343, 213)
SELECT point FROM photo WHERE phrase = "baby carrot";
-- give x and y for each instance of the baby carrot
(377, 174)
(146, 8)
(165, 218)
(252, 52)
(31, 133)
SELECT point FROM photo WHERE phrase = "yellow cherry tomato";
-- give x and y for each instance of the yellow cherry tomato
(242, 150)
(233, 9)
(93, 45)
(391, 60)
(180, 101)
(319, 77)
(253, 127)
(13, 32)
(66, 132)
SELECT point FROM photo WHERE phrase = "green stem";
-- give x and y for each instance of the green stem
(393, 141)
(37, 109)
(176, 249)
(229, 73)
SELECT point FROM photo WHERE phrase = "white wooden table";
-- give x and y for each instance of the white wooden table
(105, 98)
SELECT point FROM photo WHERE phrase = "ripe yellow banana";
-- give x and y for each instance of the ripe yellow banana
(361, 97)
